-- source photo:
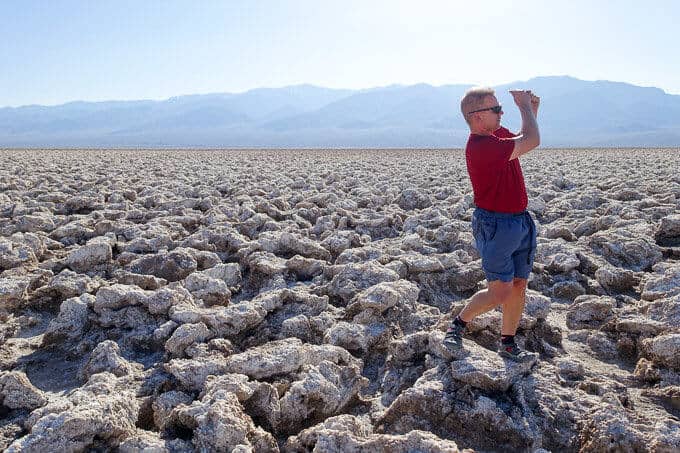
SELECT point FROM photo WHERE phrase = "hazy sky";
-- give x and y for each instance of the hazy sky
(53, 52)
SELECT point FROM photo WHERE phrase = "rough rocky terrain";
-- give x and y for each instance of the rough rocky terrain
(296, 301)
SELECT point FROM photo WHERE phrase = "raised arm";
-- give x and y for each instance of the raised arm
(529, 137)
(535, 101)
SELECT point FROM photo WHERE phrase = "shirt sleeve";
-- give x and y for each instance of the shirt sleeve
(503, 132)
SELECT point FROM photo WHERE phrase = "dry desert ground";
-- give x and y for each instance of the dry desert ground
(295, 300)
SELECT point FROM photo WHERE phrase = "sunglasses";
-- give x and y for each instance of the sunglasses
(495, 109)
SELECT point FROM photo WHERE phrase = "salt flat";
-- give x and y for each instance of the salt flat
(282, 300)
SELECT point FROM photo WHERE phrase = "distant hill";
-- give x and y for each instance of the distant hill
(573, 113)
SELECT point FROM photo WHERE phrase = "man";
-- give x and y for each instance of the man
(504, 232)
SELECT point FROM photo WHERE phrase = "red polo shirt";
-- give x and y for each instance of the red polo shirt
(497, 183)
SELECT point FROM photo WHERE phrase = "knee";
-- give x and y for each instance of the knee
(501, 291)
(519, 284)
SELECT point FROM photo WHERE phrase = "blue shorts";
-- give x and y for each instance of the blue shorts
(506, 242)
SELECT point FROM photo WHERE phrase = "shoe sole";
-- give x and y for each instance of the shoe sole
(453, 345)
(526, 358)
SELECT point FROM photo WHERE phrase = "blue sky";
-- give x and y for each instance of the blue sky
(53, 52)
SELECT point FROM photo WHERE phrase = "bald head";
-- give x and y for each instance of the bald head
(473, 99)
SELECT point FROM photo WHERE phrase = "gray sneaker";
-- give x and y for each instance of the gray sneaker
(453, 340)
(514, 353)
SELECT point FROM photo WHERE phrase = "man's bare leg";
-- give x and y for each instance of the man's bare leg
(514, 307)
(512, 314)
(497, 293)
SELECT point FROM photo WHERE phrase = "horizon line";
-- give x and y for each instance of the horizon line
(303, 84)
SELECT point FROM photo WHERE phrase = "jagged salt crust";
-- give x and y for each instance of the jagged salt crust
(295, 301)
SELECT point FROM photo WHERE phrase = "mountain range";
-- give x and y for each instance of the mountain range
(573, 113)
